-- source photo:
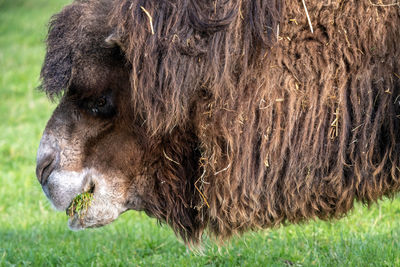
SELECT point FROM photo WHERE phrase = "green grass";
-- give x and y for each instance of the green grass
(31, 233)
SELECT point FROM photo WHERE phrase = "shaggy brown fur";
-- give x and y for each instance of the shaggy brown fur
(254, 120)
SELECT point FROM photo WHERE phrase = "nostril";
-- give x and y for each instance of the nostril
(44, 168)
(47, 158)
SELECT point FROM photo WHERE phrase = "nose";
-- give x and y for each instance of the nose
(45, 166)
(47, 159)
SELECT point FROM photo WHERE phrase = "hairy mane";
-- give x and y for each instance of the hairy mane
(288, 129)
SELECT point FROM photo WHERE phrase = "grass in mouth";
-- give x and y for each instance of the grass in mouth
(80, 205)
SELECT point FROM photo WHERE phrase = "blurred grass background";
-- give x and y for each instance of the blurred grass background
(31, 233)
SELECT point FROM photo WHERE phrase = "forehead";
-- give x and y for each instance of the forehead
(102, 69)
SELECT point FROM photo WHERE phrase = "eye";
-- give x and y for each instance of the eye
(99, 103)
(101, 106)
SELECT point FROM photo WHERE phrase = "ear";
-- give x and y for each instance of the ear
(57, 67)
(114, 40)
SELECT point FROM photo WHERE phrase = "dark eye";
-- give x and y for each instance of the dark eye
(97, 104)
(101, 102)
(101, 106)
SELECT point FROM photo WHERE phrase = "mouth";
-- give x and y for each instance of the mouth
(85, 197)
(79, 206)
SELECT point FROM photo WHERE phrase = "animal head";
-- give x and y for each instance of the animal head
(92, 142)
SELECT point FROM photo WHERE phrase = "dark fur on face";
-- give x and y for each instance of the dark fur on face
(222, 121)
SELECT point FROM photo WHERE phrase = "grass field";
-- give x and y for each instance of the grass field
(31, 233)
